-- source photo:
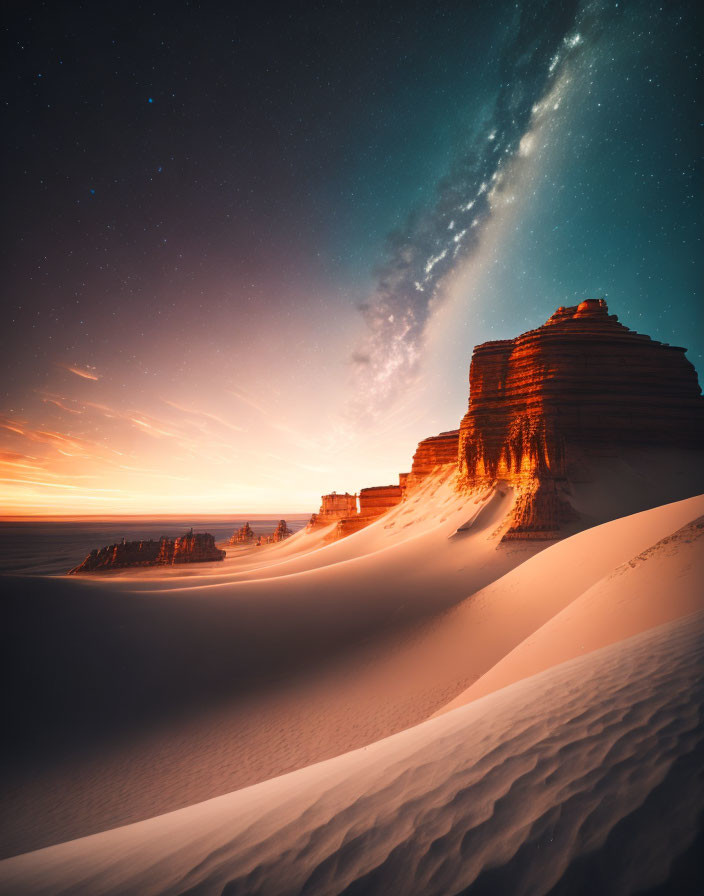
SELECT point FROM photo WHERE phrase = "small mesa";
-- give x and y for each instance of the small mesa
(189, 548)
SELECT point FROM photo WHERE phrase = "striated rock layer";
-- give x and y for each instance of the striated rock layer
(538, 401)
(433, 452)
(378, 499)
(334, 507)
(373, 502)
(189, 548)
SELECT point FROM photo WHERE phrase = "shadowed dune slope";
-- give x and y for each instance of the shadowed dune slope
(203, 690)
(585, 778)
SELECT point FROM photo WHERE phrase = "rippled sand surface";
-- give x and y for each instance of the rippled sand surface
(584, 778)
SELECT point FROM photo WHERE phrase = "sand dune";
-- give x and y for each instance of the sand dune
(213, 694)
(584, 778)
(212, 689)
(660, 584)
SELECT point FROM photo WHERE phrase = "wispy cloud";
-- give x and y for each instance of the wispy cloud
(86, 373)
(60, 403)
(47, 484)
(248, 400)
(206, 415)
(152, 428)
(12, 427)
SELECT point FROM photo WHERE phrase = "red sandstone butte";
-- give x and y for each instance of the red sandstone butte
(582, 379)
(189, 548)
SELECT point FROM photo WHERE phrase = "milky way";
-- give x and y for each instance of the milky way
(544, 41)
(199, 197)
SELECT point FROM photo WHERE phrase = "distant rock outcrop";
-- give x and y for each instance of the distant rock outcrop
(373, 502)
(244, 535)
(281, 532)
(189, 548)
(580, 380)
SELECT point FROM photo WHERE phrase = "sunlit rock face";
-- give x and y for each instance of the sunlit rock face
(373, 502)
(244, 535)
(433, 452)
(192, 548)
(581, 380)
(119, 556)
(334, 507)
(378, 499)
(189, 548)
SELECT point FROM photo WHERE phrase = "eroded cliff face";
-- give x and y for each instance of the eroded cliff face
(378, 499)
(538, 405)
(373, 502)
(333, 507)
(189, 548)
(581, 380)
(431, 453)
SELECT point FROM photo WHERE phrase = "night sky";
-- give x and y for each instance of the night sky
(247, 254)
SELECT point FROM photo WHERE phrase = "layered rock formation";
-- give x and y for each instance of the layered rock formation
(538, 405)
(538, 401)
(432, 453)
(244, 535)
(378, 499)
(373, 502)
(353, 514)
(334, 507)
(189, 548)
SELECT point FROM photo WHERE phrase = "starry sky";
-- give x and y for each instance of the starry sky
(247, 252)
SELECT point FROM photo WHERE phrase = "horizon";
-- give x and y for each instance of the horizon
(297, 515)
